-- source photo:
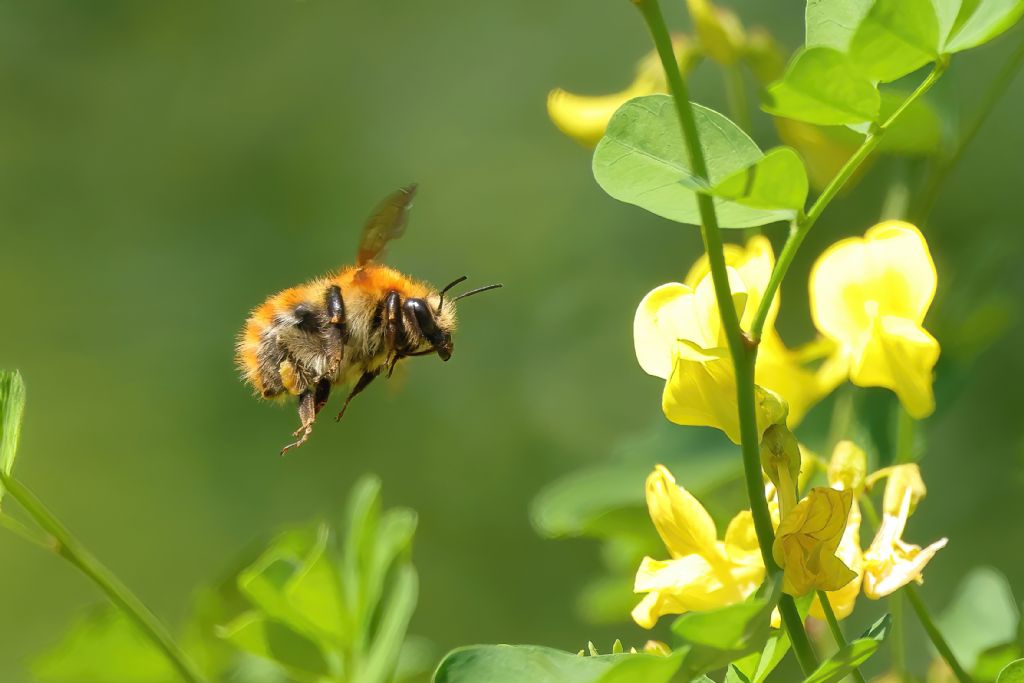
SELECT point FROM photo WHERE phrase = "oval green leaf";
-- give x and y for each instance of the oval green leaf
(536, 664)
(1013, 673)
(822, 86)
(776, 181)
(895, 38)
(987, 20)
(643, 160)
(838, 666)
(831, 23)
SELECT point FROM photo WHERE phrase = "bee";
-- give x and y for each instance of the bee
(347, 327)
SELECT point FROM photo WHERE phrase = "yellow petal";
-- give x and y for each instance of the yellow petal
(807, 540)
(741, 546)
(584, 118)
(844, 599)
(707, 315)
(682, 522)
(847, 468)
(890, 563)
(888, 272)
(665, 315)
(899, 355)
(753, 264)
(778, 370)
(903, 479)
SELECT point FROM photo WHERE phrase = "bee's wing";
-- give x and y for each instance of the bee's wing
(386, 223)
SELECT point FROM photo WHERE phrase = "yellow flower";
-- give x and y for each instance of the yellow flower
(584, 118)
(719, 30)
(890, 563)
(846, 473)
(678, 337)
(806, 542)
(704, 573)
(870, 296)
(901, 479)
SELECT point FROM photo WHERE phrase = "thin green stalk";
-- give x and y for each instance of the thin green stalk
(741, 348)
(68, 547)
(930, 194)
(31, 535)
(736, 96)
(896, 638)
(910, 590)
(837, 632)
(804, 223)
(905, 427)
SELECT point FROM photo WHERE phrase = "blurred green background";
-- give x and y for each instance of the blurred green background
(164, 166)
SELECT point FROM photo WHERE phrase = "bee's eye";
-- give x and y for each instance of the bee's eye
(419, 312)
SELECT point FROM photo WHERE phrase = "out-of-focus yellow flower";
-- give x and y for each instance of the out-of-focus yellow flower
(584, 117)
(870, 295)
(720, 31)
(846, 472)
(678, 337)
(704, 573)
(890, 563)
(806, 542)
(901, 478)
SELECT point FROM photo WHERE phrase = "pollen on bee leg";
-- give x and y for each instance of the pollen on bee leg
(289, 378)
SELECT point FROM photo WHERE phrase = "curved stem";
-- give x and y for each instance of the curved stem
(68, 547)
(804, 223)
(930, 194)
(741, 348)
(910, 590)
(837, 632)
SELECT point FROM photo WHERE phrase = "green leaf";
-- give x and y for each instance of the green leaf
(946, 12)
(295, 582)
(714, 638)
(12, 406)
(643, 160)
(831, 23)
(387, 641)
(838, 666)
(822, 86)
(1013, 673)
(755, 667)
(993, 660)
(536, 664)
(983, 597)
(895, 38)
(104, 647)
(917, 131)
(300, 656)
(776, 181)
(985, 21)
(358, 569)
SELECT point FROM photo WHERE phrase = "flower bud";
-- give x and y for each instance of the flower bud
(848, 467)
(903, 478)
(656, 647)
(780, 451)
(720, 31)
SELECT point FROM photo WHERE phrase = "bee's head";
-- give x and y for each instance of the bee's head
(435, 322)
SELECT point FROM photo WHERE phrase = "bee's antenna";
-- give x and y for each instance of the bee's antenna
(476, 291)
(449, 286)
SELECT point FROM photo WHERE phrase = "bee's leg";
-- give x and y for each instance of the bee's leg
(364, 381)
(311, 402)
(393, 328)
(336, 331)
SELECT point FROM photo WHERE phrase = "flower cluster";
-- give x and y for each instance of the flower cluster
(869, 297)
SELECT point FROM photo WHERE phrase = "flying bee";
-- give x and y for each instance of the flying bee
(347, 327)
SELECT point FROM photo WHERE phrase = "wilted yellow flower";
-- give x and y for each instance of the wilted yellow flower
(678, 336)
(901, 478)
(806, 542)
(846, 473)
(704, 573)
(870, 296)
(584, 117)
(890, 563)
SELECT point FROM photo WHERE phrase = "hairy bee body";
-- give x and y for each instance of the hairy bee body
(289, 342)
(347, 327)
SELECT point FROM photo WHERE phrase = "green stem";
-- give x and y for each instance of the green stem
(897, 639)
(68, 547)
(930, 194)
(910, 590)
(905, 427)
(804, 223)
(736, 95)
(837, 632)
(741, 348)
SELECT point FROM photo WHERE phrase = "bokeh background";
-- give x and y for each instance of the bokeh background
(166, 165)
